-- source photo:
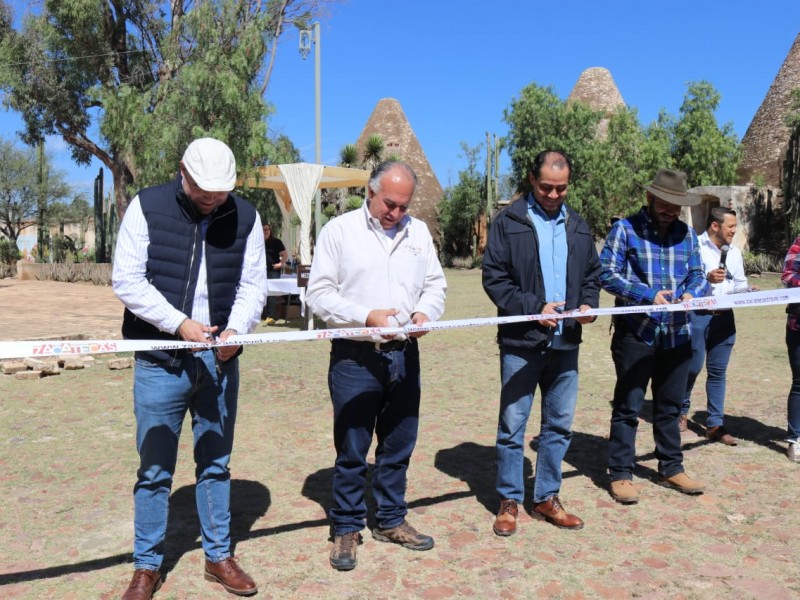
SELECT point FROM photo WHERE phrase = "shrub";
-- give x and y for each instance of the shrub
(9, 253)
(762, 262)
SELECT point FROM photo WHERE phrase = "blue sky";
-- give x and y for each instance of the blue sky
(456, 65)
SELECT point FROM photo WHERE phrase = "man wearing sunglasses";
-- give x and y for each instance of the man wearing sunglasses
(540, 259)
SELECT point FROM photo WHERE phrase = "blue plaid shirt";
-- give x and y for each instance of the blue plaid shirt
(638, 263)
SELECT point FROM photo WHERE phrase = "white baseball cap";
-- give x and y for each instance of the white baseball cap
(211, 164)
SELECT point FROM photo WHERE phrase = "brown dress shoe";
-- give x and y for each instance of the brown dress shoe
(229, 574)
(144, 584)
(718, 434)
(553, 512)
(506, 522)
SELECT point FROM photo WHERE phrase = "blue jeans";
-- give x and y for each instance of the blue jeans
(555, 372)
(666, 369)
(161, 397)
(372, 392)
(713, 337)
(793, 403)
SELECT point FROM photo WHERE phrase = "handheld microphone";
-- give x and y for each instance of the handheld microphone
(723, 255)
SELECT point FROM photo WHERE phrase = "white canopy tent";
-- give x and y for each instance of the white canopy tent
(295, 185)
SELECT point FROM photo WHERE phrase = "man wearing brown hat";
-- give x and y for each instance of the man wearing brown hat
(652, 257)
(189, 265)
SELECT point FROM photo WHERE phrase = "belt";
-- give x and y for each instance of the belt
(390, 346)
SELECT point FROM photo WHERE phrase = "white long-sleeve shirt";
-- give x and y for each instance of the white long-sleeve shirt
(735, 280)
(357, 268)
(130, 284)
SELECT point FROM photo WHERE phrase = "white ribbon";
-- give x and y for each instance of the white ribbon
(80, 347)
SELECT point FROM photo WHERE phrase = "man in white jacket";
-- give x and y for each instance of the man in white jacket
(375, 267)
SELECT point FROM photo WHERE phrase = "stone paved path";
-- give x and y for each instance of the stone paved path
(34, 310)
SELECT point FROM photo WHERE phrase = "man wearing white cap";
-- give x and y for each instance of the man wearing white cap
(189, 265)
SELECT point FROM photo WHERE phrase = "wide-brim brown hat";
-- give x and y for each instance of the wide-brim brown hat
(670, 186)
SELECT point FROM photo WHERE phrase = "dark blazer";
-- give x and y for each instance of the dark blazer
(512, 275)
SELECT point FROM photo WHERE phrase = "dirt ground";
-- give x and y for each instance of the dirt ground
(68, 464)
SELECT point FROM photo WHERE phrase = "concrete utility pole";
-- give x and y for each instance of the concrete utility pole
(308, 37)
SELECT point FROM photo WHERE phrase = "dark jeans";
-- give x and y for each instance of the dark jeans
(272, 301)
(638, 364)
(713, 337)
(372, 392)
(793, 347)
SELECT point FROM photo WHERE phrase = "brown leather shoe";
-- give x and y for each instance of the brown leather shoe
(718, 434)
(683, 423)
(229, 574)
(553, 511)
(144, 584)
(506, 522)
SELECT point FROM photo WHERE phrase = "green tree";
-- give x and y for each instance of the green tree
(707, 153)
(132, 83)
(607, 172)
(23, 184)
(461, 206)
(539, 120)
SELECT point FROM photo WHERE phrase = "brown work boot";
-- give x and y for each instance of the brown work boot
(624, 492)
(230, 575)
(343, 553)
(405, 535)
(144, 584)
(718, 434)
(683, 483)
(683, 423)
(553, 512)
(506, 522)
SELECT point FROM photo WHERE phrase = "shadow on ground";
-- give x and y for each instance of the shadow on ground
(250, 500)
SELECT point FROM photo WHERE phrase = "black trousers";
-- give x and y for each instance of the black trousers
(637, 364)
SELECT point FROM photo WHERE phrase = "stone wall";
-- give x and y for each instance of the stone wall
(761, 226)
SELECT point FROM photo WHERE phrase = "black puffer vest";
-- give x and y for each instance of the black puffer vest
(175, 230)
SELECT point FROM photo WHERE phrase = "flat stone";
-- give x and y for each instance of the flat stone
(34, 363)
(120, 363)
(12, 367)
(51, 368)
(73, 363)
(28, 375)
(88, 361)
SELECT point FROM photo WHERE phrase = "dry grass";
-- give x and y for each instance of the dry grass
(68, 461)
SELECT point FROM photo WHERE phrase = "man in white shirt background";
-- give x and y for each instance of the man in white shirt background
(375, 267)
(714, 331)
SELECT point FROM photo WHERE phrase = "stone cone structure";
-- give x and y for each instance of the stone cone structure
(596, 88)
(390, 122)
(764, 144)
